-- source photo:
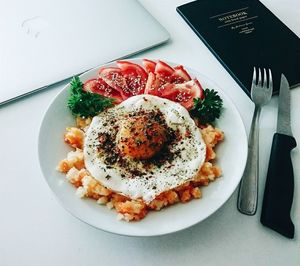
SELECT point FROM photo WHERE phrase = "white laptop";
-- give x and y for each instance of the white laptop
(44, 42)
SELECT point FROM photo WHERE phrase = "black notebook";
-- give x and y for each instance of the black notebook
(243, 34)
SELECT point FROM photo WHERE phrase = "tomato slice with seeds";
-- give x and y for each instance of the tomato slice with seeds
(113, 77)
(182, 73)
(172, 75)
(159, 79)
(129, 68)
(128, 78)
(150, 83)
(155, 84)
(164, 71)
(161, 76)
(135, 76)
(183, 93)
(99, 86)
(201, 96)
(91, 85)
(149, 65)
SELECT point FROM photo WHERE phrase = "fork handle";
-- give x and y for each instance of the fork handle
(248, 191)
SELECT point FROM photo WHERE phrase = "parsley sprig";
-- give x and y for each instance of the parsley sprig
(209, 108)
(85, 104)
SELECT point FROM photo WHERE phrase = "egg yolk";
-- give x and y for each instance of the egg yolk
(141, 137)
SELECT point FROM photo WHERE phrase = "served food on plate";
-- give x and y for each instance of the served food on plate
(144, 137)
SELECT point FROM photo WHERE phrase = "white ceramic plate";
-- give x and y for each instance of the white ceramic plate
(231, 154)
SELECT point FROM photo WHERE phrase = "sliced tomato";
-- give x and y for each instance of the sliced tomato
(129, 68)
(155, 85)
(114, 78)
(150, 83)
(172, 75)
(149, 65)
(183, 93)
(90, 85)
(129, 80)
(164, 71)
(181, 75)
(202, 96)
(162, 80)
(99, 86)
(135, 77)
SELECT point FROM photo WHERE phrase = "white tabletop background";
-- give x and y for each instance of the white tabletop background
(36, 230)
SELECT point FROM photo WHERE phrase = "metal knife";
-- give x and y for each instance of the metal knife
(279, 188)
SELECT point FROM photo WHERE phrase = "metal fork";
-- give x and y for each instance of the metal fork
(261, 93)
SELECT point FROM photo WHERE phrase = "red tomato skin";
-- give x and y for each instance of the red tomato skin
(149, 65)
(155, 85)
(89, 85)
(114, 78)
(131, 68)
(135, 76)
(201, 96)
(159, 79)
(163, 69)
(181, 72)
(99, 86)
(183, 93)
(171, 75)
(150, 83)
(104, 70)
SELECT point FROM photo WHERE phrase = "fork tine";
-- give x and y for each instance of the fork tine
(270, 80)
(254, 77)
(259, 78)
(265, 78)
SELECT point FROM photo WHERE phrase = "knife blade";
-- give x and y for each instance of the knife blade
(279, 187)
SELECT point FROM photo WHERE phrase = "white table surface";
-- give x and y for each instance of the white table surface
(36, 230)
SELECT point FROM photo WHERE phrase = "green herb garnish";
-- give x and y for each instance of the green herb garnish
(209, 108)
(85, 104)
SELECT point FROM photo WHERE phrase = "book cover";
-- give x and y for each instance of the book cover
(245, 34)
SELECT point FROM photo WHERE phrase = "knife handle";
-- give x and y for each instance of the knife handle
(279, 188)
